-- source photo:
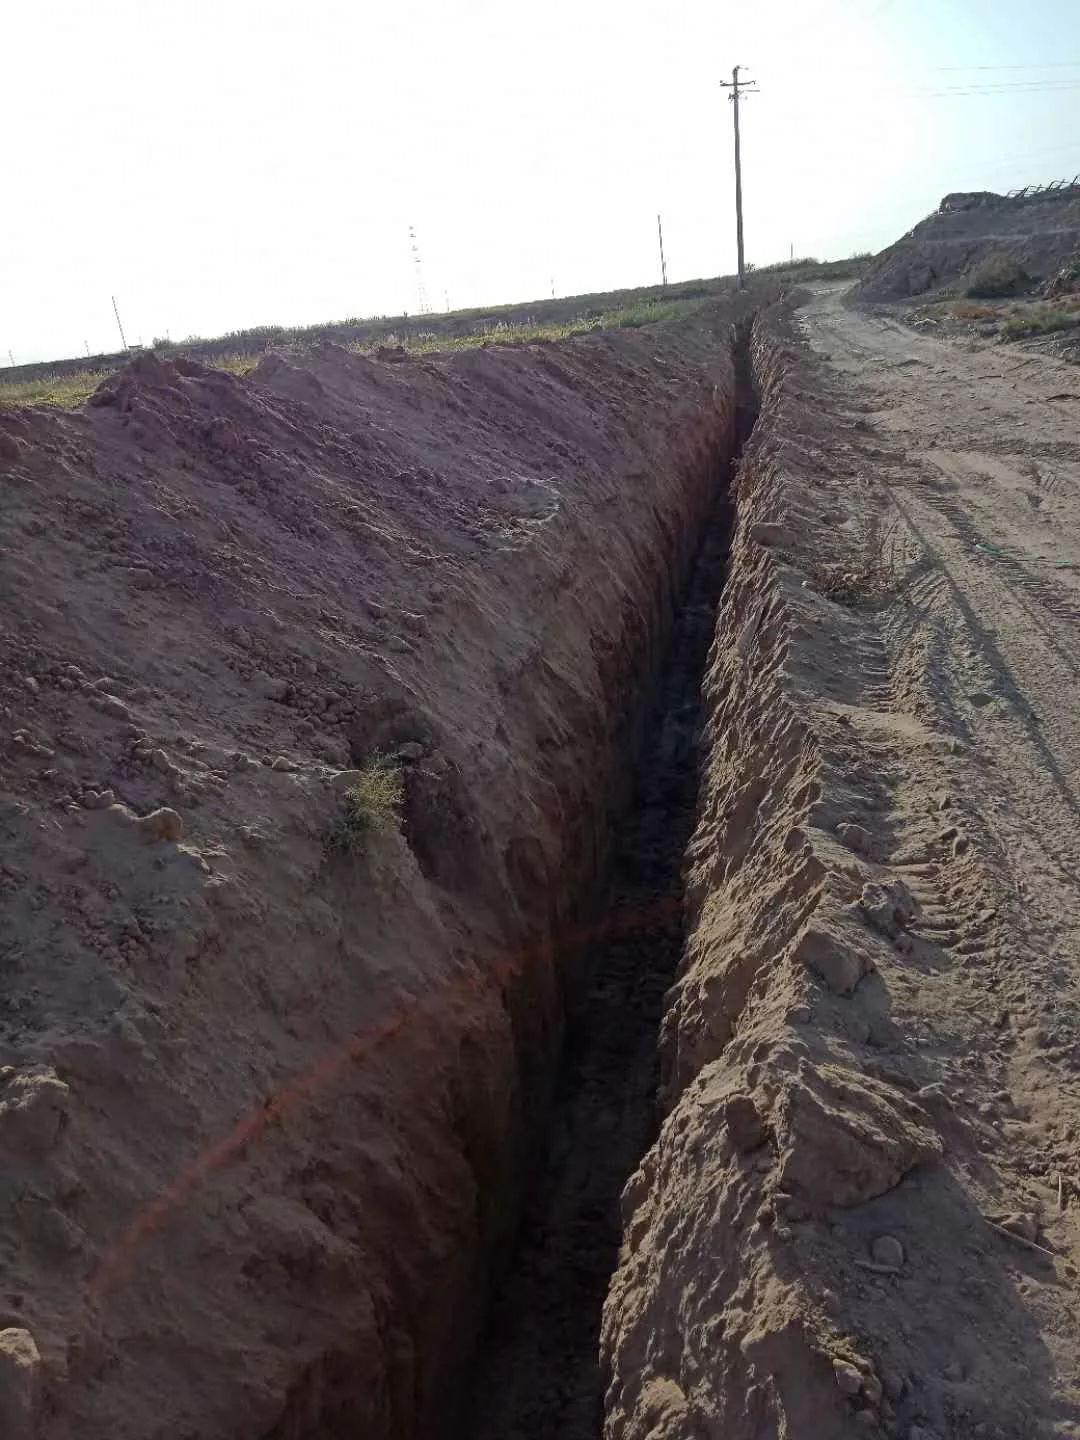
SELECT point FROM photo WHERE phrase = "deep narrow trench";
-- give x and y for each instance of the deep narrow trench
(537, 1376)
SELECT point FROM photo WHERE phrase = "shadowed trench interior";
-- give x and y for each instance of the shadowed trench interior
(536, 1375)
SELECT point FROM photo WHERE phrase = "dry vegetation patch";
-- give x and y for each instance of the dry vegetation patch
(875, 578)
(371, 805)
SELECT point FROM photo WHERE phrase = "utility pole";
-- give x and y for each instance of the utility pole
(663, 262)
(737, 90)
(120, 327)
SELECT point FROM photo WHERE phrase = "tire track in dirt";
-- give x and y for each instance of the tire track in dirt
(1000, 649)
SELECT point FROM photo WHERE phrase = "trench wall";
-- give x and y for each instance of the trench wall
(711, 1326)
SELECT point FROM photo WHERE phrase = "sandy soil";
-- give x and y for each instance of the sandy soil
(862, 1214)
(980, 455)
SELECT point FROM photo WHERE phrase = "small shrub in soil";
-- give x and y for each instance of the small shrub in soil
(1066, 281)
(633, 317)
(995, 277)
(960, 311)
(861, 582)
(1045, 320)
(373, 804)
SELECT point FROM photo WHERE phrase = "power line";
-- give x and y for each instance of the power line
(1049, 65)
(1064, 83)
(1020, 87)
(1002, 160)
(1002, 87)
(120, 327)
(985, 93)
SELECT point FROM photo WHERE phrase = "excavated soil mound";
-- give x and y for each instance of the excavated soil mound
(267, 1107)
(1039, 234)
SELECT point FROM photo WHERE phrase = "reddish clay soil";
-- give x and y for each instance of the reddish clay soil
(268, 1111)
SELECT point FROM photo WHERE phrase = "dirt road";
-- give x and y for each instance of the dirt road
(978, 451)
(981, 457)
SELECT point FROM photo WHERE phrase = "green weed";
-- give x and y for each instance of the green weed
(67, 391)
(70, 391)
(1045, 320)
(372, 805)
(995, 277)
(961, 310)
(649, 312)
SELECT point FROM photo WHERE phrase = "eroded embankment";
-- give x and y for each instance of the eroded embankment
(268, 1109)
(1039, 235)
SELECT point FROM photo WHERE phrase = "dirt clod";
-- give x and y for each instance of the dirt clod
(20, 1383)
(1021, 1223)
(849, 1379)
(889, 907)
(839, 960)
(856, 837)
(888, 1251)
(745, 1124)
(772, 534)
(158, 825)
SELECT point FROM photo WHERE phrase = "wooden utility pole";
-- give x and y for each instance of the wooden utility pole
(738, 89)
(120, 327)
(663, 262)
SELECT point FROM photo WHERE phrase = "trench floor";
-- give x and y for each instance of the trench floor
(537, 1376)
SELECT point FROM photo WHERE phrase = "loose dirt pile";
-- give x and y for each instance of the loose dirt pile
(266, 1109)
(1039, 234)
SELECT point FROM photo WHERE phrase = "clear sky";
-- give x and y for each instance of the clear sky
(222, 163)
